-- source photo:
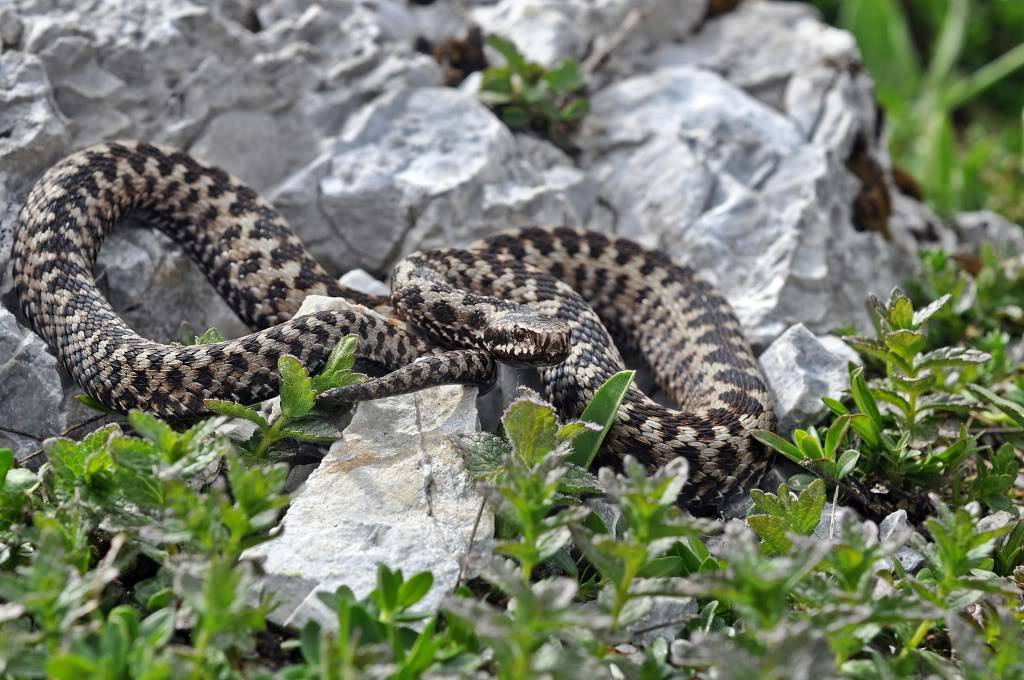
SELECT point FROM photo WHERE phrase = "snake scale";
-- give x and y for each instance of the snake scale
(549, 297)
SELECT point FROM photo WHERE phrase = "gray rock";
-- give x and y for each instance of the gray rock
(801, 369)
(31, 395)
(364, 282)
(892, 528)
(392, 490)
(33, 135)
(833, 517)
(156, 288)
(548, 31)
(985, 226)
(419, 168)
(692, 165)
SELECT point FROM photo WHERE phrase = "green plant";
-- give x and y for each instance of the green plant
(921, 100)
(525, 95)
(900, 420)
(297, 418)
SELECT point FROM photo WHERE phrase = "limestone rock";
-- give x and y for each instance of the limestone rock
(801, 369)
(392, 490)
(31, 394)
(420, 168)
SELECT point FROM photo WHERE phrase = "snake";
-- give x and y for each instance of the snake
(565, 300)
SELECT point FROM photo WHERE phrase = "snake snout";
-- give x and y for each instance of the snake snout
(526, 339)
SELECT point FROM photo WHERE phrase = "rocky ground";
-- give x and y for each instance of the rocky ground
(747, 144)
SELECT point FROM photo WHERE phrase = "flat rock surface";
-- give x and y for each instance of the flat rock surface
(392, 490)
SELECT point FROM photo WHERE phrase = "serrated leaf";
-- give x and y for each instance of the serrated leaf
(808, 507)
(953, 356)
(233, 410)
(772, 532)
(869, 347)
(918, 385)
(577, 481)
(483, 453)
(297, 395)
(925, 313)
(531, 428)
(210, 336)
(901, 311)
(602, 410)
(905, 342)
(152, 428)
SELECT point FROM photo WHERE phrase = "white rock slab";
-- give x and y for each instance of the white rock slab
(392, 490)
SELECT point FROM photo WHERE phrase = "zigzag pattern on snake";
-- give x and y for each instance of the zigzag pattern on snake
(513, 297)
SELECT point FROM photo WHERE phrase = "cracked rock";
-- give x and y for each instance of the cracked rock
(801, 368)
(31, 395)
(422, 168)
(692, 165)
(393, 489)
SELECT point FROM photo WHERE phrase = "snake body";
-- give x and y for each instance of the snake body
(552, 297)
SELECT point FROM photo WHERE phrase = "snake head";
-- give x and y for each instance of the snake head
(527, 339)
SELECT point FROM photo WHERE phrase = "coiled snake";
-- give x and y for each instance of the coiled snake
(517, 297)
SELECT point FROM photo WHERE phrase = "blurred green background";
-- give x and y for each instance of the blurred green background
(950, 74)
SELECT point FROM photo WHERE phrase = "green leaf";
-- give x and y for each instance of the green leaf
(209, 337)
(953, 356)
(415, 589)
(772, 532)
(93, 403)
(1011, 408)
(311, 643)
(153, 429)
(483, 453)
(847, 463)
(922, 315)
(884, 39)
(906, 343)
(297, 395)
(497, 81)
(233, 410)
(808, 507)
(948, 46)
(509, 51)
(531, 428)
(862, 396)
(776, 442)
(602, 411)
(6, 463)
(577, 481)
(70, 667)
(565, 78)
(835, 406)
(515, 116)
(869, 346)
(574, 110)
(835, 436)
